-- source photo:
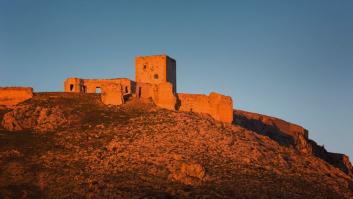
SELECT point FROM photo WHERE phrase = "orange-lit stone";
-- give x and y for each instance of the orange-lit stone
(161, 94)
(220, 107)
(112, 94)
(155, 80)
(10, 96)
(156, 69)
(78, 85)
(164, 96)
(145, 90)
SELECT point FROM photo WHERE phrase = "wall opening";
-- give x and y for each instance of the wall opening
(140, 89)
(144, 67)
(98, 90)
(155, 76)
(71, 87)
(126, 89)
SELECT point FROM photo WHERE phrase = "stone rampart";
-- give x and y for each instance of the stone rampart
(78, 85)
(164, 96)
(11, 96)
(220, 107)
(112, 94)
(161, 94)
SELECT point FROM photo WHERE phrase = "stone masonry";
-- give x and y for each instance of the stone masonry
(11, 96)
(155, 80)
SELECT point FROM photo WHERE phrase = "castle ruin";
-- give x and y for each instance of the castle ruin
(155, 79)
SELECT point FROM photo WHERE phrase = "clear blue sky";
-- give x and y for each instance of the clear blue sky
(290, 59)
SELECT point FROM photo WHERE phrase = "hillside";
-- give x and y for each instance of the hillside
(70, 145)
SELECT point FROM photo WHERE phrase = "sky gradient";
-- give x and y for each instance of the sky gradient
(288, 59)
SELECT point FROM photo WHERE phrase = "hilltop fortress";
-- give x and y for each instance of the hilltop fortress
(155, 82)
(155, 79)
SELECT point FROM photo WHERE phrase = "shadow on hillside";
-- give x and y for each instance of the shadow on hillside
(259, 127)
(337, 160)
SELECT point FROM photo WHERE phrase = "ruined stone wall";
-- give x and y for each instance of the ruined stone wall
(161, 94)
(11, 96)
(156, 69)
(220, 107)
(164, 96)
(90, 85)
(73, 84)
(112, 94)
(145, 90)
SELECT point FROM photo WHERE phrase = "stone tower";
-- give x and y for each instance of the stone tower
(156, 69)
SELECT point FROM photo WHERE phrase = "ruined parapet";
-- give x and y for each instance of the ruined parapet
(112, 94)
(11, 96)
(219, 106)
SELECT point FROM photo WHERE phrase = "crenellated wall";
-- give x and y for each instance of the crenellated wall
(11, 96)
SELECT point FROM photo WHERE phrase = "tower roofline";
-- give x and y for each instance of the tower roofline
(160, 55)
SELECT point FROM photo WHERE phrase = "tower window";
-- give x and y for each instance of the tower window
(144, 67)
(71, 87)
(155, 76)
(98, 90)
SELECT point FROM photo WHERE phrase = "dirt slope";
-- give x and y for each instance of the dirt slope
(71, 146)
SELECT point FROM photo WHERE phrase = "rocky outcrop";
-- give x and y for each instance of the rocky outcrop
(290, 135)
(187, 173)
(47, 112)
(11, 96)
(283, 132)
(39, 119)
(338, 160)
(138, 150)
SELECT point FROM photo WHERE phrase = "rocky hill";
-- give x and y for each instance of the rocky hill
(66, 145)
